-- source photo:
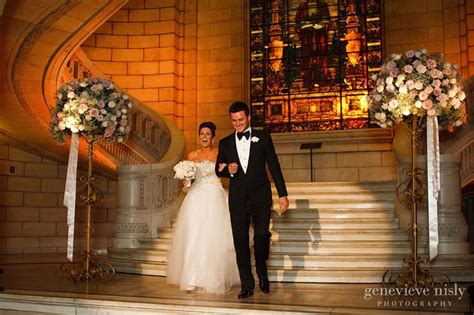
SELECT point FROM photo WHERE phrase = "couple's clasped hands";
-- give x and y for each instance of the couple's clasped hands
(233, 167)
(282, 201)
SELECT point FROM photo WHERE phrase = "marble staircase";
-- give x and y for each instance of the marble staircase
(333, 232)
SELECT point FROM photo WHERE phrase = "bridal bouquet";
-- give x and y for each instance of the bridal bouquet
(93, 108)
(417, 83)
(185, 170)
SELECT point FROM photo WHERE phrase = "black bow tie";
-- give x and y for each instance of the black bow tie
(243, 134)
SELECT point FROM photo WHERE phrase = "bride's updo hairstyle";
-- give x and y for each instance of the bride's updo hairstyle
(210, 125)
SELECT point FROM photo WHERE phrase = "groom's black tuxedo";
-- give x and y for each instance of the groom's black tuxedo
(250, 197)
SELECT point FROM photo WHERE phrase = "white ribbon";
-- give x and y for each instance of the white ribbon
(433, 176)
(70, 193)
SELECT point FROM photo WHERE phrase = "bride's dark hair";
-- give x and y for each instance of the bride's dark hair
(210, 125)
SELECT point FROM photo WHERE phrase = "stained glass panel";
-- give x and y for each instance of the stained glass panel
(311, 62)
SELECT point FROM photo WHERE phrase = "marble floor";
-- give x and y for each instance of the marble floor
(33, 285)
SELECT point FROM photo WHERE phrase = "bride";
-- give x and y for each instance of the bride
(202, 255)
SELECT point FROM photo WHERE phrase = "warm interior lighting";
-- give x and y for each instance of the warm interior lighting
(344, 105)
(364, 106)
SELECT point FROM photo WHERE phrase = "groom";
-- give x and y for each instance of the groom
(243, 156)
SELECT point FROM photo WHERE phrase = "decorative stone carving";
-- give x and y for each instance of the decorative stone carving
(148, 197)
(131, 228)
(452, 225)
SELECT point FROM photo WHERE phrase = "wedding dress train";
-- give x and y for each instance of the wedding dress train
(202, 253)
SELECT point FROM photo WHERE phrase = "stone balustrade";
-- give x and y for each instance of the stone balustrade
(148, 194)
(148, 197)
(149, 137)
(466, 154)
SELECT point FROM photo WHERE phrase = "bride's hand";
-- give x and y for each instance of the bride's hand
(222, 166)
(186, 182)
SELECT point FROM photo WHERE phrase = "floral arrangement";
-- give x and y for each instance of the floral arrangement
(417, 83)
(185, 170)
(93, 108)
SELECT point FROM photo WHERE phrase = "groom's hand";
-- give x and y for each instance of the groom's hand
(284, 204)
(222, 166)
(233, 168)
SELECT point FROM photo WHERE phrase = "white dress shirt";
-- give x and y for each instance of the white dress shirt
(243, 149)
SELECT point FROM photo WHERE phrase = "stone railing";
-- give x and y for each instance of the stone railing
(461, 142)
(148, 196)
(467, 162)
(149, 138)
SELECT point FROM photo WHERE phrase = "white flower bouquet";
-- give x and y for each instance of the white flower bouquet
(417, 83)
(185, 170)
(93, 108)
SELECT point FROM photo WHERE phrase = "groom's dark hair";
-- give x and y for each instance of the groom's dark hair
(239, 107)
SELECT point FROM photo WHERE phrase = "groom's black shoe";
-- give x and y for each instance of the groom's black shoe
(245, 294)
(264, 285)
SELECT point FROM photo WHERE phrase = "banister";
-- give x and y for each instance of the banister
(149, 138)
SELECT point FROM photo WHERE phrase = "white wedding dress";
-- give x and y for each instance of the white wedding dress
(202, 254)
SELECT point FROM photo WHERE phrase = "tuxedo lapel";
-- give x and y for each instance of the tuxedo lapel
(253, 148)
(233, 149)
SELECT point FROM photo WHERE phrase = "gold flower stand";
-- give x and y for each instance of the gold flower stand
(87, 268)
(410, 193)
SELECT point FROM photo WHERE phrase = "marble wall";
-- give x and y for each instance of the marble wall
(355, 156)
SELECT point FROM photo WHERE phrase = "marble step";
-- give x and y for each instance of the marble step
(138, 254)
(321, 274)
(327, 275)
(283, 224)
(299, 261)
(284, 260)
(457, 267)
(340, 248)
(371, 247)
(343, 194)
(335, 214)
(325, 235)
(340, 197)
(359, 275)
(306, 261)
(339, 235)
(340, 186)
(139, 267)
(315, 275)
(336, 204)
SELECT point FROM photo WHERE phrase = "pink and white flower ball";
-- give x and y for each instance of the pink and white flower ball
(417, 83)
(92, 107)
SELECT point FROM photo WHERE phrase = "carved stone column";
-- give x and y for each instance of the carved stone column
(148, 197)
(452, 225)
(453, 229)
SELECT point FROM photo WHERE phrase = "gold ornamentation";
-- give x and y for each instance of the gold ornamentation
(410, 193)
(87, 268)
